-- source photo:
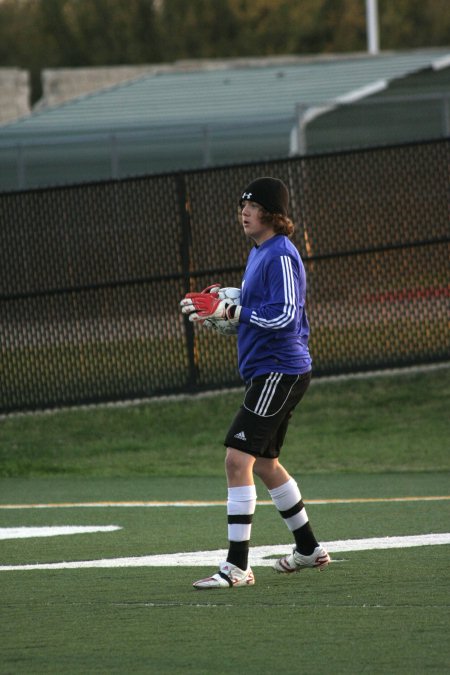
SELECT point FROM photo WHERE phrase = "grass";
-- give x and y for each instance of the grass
(374, 612)
(361, 617)
(382, 424)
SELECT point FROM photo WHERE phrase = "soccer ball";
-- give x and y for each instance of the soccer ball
(223, 326)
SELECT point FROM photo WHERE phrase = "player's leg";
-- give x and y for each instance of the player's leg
(283, 489)
(286, 496)
(241, 500)
(241, 504)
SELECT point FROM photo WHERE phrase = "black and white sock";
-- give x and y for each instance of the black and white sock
(240, 509)
(288, 500)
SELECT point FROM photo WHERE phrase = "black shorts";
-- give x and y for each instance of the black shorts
(261, 423)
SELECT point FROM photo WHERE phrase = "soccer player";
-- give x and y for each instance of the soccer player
(275, 364)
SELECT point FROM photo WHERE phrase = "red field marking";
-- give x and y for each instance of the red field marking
(409, 294)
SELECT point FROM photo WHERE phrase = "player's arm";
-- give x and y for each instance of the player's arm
(280, 310)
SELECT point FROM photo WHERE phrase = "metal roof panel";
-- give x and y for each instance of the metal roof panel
(221, 95)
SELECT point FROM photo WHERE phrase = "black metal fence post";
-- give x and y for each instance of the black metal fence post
(186, 241)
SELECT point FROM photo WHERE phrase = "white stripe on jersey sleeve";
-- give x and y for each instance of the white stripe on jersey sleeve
(289, 300)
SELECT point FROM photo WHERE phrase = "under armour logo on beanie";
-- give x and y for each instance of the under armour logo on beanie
(271, 193)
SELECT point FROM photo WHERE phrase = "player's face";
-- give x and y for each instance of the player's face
(252, 224)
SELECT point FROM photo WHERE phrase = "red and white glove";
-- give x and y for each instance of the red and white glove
(209, 289)
(208, 305)
(187, 307)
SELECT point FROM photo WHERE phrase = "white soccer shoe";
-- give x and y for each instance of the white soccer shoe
(296, 561)
(228, 576)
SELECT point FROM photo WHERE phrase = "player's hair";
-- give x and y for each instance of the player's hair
(281, 224)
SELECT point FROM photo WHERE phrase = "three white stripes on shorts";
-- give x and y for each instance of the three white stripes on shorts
(267, 394)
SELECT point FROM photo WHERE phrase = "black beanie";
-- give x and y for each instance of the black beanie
(271, 193)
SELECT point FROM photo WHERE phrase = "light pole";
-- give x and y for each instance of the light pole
(373, 41)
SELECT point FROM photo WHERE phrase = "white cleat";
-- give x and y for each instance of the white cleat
(228, 576)
(296, 561)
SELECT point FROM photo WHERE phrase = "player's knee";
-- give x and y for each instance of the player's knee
(237, 462)
(261, 471)
(265, 468)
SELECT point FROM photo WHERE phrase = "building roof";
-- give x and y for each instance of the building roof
(226, 92)
(197, 114)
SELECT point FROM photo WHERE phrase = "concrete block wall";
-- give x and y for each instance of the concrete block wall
(14, 94)
(62, 84)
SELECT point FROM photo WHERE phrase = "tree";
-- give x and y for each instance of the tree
(37, 34)
(409, 24)
(198, 29)
(104, 32)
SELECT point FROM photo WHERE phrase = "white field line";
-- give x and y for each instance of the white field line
(196, 504)
(259, 555)
(53, 531)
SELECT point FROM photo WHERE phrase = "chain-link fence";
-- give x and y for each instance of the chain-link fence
(91, 275)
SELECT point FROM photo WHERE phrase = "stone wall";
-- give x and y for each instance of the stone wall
(62, 84)
(14, 94)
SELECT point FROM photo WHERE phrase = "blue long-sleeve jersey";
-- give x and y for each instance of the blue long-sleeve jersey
(273, 326)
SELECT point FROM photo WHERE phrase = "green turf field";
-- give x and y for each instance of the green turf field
(372, 611)
(379, 424)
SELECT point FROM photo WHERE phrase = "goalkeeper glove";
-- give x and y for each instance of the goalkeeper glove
(188, 308)
(201, 306)
(210, 289)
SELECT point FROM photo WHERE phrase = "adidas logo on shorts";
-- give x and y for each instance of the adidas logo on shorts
(241, 435)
